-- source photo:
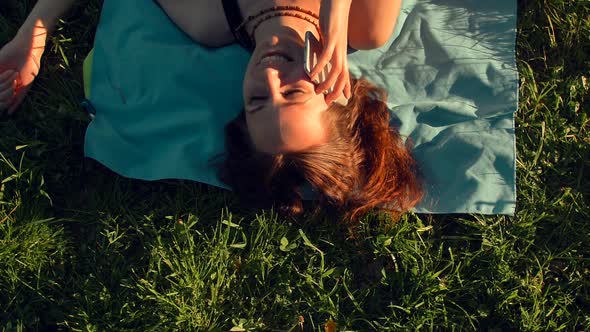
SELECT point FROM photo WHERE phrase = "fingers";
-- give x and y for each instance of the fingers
(7, 88)
(332, 75)
(338, 78)
(18, 99)
(335, 93)
(12, 92)
(322, 61)
(6, 75)
(348, 88)
(344, 81)
(7, 79)
(6, 94)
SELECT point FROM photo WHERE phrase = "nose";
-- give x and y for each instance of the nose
(272, 81)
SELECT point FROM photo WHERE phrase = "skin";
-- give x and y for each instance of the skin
(20, 58)
(283, 110)
(283, 106)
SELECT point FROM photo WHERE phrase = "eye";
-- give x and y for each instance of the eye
(293, 92)
(257, 98)
(255, 103)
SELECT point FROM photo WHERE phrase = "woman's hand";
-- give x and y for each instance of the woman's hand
(20, 61)
(334, 30)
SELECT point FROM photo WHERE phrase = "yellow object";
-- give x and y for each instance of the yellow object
(87, 72)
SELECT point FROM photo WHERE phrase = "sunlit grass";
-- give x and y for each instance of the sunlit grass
(86, 250)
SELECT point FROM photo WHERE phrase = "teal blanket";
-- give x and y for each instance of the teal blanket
(161, 100)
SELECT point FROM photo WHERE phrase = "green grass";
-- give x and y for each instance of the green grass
(86, 250)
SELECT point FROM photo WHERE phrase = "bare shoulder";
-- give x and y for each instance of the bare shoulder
(203, 20)
(371, 22)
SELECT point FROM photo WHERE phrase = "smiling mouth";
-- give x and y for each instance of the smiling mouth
(273, 58)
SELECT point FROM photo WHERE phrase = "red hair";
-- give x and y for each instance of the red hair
(364, 164)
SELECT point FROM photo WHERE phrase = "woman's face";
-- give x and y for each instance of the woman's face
(283, 112)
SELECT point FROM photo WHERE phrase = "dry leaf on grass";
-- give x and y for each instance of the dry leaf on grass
(330, 326)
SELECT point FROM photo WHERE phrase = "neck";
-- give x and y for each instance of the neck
(273, 30)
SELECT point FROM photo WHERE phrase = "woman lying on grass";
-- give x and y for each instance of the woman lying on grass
(291, 131)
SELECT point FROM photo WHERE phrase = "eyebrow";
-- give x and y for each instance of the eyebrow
(259, 108)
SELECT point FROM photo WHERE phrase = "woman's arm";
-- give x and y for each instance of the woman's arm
(202, 20)
(371, 22)
(20, 59)
(47, 12)
(42, 20)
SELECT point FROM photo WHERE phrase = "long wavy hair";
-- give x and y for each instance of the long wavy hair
(364, 165)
